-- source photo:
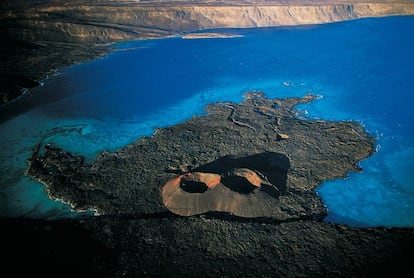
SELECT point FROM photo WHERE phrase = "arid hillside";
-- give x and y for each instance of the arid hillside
(108, 21)
(40, 36)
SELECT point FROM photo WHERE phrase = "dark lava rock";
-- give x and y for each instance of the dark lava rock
(202, 247)
(139, 237)
(230, 136)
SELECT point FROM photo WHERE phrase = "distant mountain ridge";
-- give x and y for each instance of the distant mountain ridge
(41, 36)
(109, 21)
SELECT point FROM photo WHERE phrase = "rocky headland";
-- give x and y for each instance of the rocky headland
(232, 160)
(39, 37)
(244, 177)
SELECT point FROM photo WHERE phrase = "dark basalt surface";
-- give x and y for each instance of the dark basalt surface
(231, 135)
(140, 237)
(162, 246)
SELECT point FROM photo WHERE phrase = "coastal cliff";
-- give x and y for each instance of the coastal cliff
(41, 36)
(91, 21)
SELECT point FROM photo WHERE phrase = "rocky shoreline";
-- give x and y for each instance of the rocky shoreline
(39, 37)
(25, 65)
(138, 234)
(230, 136)
(209, 35)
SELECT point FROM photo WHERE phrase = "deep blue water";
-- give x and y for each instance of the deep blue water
(363, 70)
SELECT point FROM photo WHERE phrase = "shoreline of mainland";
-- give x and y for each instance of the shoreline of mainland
(37, 40)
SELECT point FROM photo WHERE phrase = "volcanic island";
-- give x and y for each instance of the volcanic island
(228, 193)
(255, 159)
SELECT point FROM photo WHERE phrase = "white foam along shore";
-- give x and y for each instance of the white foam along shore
(210, 35)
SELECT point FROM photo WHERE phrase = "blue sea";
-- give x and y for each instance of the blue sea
(363, 71)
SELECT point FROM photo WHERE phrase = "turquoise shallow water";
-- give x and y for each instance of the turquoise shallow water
(361, 69)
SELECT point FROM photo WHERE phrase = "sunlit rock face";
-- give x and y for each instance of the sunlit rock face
(40, 36)
(246, 187)
(91, 21)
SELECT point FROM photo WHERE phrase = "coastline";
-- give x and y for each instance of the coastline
(226, 244)
(136, 234)
(249, 132)
(209, 35)
(33, 49)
